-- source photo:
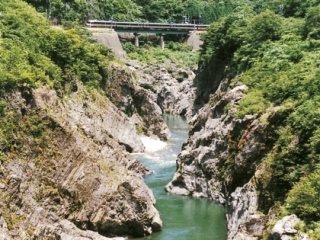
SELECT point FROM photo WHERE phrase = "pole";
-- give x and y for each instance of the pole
(161, 41)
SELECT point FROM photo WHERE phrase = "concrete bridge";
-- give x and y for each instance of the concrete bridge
(138, 28)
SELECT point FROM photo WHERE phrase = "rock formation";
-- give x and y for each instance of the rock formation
(66, 174)
(135, 101)
(284, 229)
(222, 161)
(69, 176)
(170, 86)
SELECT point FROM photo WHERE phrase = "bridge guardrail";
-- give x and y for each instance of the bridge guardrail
(143, 25)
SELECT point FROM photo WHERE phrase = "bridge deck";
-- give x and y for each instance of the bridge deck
(140, 27)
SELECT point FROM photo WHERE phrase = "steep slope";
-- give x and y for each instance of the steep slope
(256, 132)
(64, 167)
(69, 165)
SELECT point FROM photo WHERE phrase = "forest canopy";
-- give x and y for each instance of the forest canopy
(193, 11)
(33, 54)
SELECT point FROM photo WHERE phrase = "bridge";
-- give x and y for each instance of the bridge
(145, 27)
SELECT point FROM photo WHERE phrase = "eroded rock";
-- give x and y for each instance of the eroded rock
(171, 87)
(285, 229)
(124, 91)
(74, 179)
(244, 220)
(206, 150)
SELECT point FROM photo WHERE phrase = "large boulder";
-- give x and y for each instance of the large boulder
(284, 229)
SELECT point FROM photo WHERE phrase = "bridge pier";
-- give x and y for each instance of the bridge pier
(161, 41)
(136, 40)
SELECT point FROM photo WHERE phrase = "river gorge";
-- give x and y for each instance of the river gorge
(183, 217)
(93, 147)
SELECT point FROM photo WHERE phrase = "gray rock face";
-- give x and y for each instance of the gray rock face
(65, 230)
(74, 181)
(170, 86)
(206, 149)
(96, 119)
(284, 229)
(4, 233)
(123, 89)
(219, 161)
(243, 218)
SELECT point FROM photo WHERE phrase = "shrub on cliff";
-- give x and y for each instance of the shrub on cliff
(303, 199)
(149, 54)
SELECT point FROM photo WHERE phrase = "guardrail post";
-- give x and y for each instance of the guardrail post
(161, 41)
(136, 40)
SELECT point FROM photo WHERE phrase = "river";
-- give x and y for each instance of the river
(184, 218)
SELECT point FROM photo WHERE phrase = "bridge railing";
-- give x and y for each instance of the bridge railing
(146, 25)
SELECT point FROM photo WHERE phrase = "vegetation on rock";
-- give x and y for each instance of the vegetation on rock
(276, 54)
(62, 156)
(273, 47)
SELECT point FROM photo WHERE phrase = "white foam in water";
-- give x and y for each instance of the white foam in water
(152, 145)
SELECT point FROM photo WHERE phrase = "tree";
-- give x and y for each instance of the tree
(119, 10)
(299, 8)
(312, 25)
(163, 10)
(265, 26)
(304, 200)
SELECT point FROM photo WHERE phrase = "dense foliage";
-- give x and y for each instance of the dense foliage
(278, 58)
(193, 11)
(149, 52)
(33, 54)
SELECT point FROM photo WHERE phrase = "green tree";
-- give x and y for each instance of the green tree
(304, 200)
(119, 10)
(224, 37)
(265, 26)
(298, 8)
(33, 54)
(162, 10)
(312, 23)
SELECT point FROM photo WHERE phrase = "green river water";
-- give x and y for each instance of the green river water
(184, 218)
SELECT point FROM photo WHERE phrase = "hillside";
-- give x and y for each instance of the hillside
(64, 165)
(254, 145)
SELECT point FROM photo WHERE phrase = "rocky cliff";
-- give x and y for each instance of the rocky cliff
(70, 113)
(169, 85)
(68, 176)
(224, 159)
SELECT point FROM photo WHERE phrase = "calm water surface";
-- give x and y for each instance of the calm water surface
(184, 218)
